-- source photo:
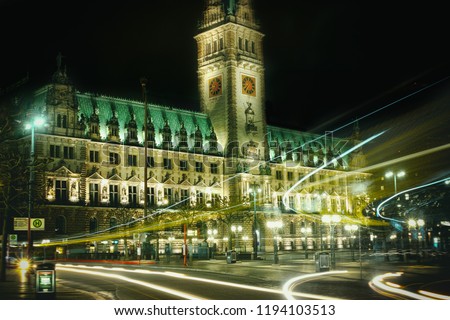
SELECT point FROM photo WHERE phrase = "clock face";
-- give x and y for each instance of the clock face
(249, 85)
(215, 86)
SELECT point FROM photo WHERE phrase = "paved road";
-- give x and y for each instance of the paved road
(353, 285)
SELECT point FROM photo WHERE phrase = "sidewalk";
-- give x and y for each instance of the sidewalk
(18, 287)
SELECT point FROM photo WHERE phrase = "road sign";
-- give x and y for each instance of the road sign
(21, 224)
(13, 239)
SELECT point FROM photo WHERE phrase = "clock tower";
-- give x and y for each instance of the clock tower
(231, 77)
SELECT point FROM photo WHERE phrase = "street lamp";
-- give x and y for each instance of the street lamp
(254, 190)
(352, 228)
(245, 239)
(305, 231)
(236, 230)
(275, 225)
(332, 220)
(395, 175)
(416, 225)
(36, 122)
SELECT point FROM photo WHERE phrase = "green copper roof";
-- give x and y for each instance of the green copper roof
(158, 114)
(305, 141)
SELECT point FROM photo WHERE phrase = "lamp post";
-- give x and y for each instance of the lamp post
(305, 231)
(395, 175)
(36, 122)
(254, 190)
(416, 225)
(352, 228)
(275, 225)
(245, 239)
(236, 230)
(211, 239)
(332, 220)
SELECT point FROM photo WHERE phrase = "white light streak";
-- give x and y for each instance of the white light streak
(292, 283)
(384, 288)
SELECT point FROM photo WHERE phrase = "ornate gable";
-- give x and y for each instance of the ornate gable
(95, 176)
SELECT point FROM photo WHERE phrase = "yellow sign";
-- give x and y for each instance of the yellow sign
(21, 224)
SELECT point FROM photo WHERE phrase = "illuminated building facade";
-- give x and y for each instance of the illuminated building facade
(208, 163)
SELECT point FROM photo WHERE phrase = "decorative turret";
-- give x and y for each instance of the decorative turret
(198, 140)
(150, 133)
(94, 125)
(213, 148)
(357, 158)
(183, 138)
(62, 104)
(132, 130)
(113, 128)
(167, 136)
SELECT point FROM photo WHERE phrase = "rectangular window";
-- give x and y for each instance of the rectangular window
(214, 168)
(61, 190)
(132, 160)
(55, 151)
(221, 44)
(167, 163)
(113, 158)
(184, 196)
(150, 162)
(183, 165)
(215, 200)
(280, 201)
(279, 175)
(246, 45)
(253, 47)
(240, 43)
(114, 194)
(168, 195)
(151, 196)
(61, 121)
(93, 193)
(94, 156)
(132, 195)
(198, 166)
(200, 198)
(290, 176)
(69, 153)
(291, 202)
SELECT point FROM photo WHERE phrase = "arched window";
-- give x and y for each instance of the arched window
(93, 225)
(60, 225)
(112, 224)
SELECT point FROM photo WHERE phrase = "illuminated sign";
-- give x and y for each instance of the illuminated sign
(45, 281)
(21, 224)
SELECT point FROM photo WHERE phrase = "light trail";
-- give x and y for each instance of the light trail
(74, 268)
(434, 295)
(294, 282)
(173, 292)
(390, 289)
(381, 205)
(359, 145)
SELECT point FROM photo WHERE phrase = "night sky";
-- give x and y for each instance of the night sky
(327, 63)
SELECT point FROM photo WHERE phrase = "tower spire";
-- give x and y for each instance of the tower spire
(221, 11)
